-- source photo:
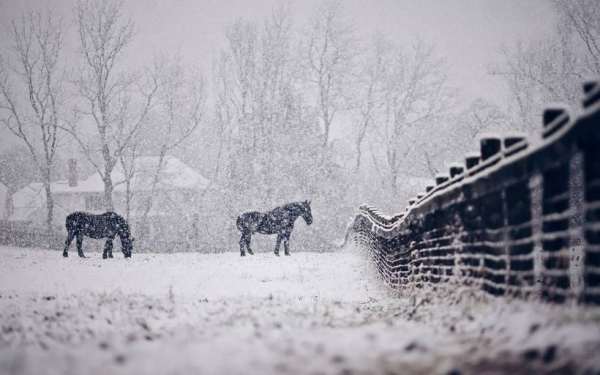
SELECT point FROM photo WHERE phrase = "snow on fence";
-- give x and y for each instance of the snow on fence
(517, 219)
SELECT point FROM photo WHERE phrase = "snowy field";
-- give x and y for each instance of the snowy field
(309, 313)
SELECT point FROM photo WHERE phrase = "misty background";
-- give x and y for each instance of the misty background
(181, 115)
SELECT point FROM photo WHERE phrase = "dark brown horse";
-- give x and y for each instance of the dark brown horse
(278, 221)
(107, 225)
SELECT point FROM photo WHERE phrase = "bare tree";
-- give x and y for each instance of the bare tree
(117, 103)
(127, 163)
(551, 69)
(276, 146)
(461, 130)
(16, 168)
(415, 98)
(481, 116)
(330, 53)
(582, 19)
(370, 89)
(180, 109)
(255, 90)
(224, 114)
(32, 108)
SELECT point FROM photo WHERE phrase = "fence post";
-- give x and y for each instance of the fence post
(506, 240)
(535, 186)
(530, 220)
(576, 228)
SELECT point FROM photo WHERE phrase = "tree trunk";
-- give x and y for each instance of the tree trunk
(8, 203)
(49, 211)
(108, 190)
(394, 183)
(327, 126)
(358, 151)
(155, 180)
(127, 199)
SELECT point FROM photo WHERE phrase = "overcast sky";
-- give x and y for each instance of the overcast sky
(468, 33)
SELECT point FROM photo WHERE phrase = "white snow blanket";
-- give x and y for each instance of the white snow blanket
(310, 313)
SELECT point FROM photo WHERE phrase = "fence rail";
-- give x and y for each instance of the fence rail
(517, 219)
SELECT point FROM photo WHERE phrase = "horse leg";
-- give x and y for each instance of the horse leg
(70, 236)
(248, 240)
(80, 245)
(105, 252)
(286, 245)
(277, 244)
(242, 244)
(107, 249)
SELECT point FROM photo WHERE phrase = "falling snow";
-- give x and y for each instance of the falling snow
(180, 117)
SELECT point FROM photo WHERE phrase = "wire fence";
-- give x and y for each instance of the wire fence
(518, 219)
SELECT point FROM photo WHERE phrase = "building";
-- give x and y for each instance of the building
(172, 214)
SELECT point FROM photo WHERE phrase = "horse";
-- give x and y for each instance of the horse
(106, 225)
(278, 221)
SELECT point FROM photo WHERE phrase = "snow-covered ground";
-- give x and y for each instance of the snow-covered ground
(309, 313)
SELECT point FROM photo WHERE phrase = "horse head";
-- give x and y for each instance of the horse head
(126, 240)
(306, 212)
(127, 245)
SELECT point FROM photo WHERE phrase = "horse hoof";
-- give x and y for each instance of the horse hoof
(276, 254)
(81, 256)
(287, 254)
(242, 255)
(110, 256)
(250, 252)
(104, 256)
(65, 255)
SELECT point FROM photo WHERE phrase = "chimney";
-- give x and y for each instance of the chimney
(72, 172)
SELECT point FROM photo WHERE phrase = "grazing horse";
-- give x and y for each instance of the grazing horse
(106, 225)
(279, 221)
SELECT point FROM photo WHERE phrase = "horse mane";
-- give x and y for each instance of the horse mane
(123, 224)
(295, 206)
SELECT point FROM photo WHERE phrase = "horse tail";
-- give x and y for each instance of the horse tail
(68, 220)
(71, 221)
(238, 223)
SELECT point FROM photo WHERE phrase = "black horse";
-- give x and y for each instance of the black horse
(279, 221)
(106, 225)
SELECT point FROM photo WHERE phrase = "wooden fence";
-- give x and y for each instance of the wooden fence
(518, 219)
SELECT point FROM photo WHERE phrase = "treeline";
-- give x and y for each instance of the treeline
(292, 109)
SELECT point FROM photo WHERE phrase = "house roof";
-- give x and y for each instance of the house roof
(28, 201)
(31, 195)
(174, 175)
